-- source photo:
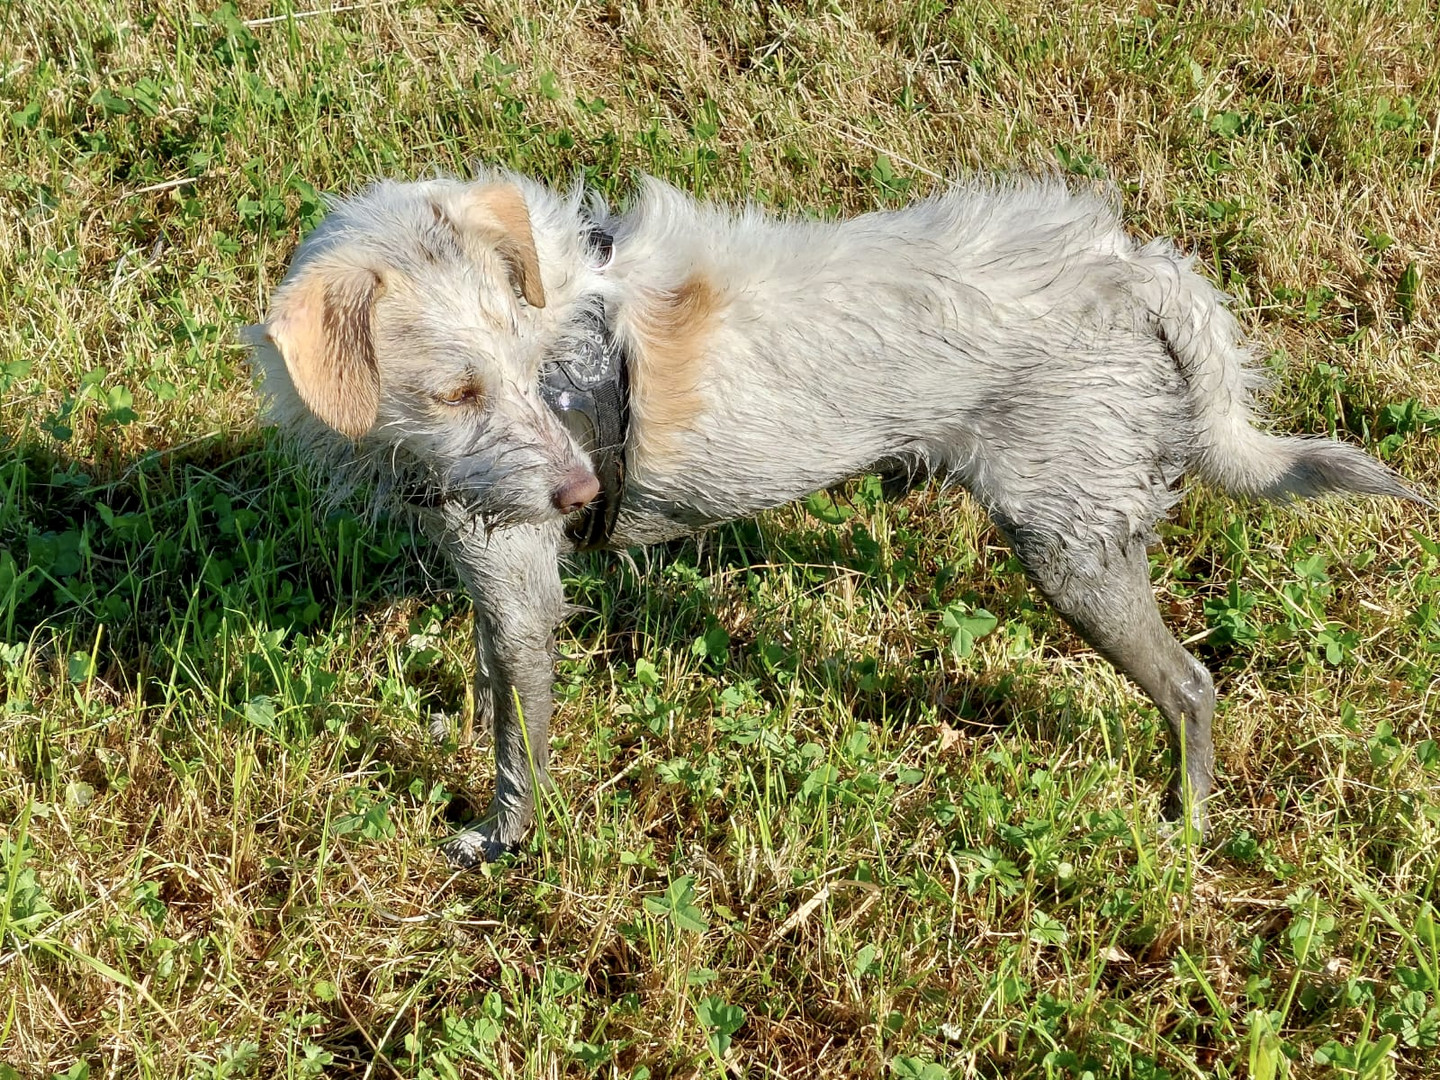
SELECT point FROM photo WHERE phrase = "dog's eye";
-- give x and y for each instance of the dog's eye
(460, 395)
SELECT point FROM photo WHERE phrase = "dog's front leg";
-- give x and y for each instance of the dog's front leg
(514, 578)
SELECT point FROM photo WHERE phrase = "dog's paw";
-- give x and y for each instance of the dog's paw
(1179, 827)
(452, 730)
(472, 847)
(485, 841)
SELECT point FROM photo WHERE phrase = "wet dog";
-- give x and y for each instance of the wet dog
(530, 372)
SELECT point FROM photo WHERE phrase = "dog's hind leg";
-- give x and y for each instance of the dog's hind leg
(514, 578)
(1102, 588)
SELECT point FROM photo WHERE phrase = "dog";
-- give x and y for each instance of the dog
(459, 348)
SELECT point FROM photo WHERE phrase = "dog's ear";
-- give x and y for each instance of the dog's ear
(499, 212)
(320, 323)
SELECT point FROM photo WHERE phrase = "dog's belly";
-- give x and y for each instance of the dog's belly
(648, 518)
(674, 508)
(647, 521)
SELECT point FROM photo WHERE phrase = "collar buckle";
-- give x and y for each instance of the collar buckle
(586, 383)
(601, 243)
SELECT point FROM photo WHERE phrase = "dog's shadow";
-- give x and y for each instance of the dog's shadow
(123, 573)
(713, 597)
(131, 574)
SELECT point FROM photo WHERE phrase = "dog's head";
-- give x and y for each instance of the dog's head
(411, 324)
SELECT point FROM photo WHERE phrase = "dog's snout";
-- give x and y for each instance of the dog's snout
(578, 491)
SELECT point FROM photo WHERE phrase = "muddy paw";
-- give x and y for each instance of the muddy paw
(473, 847)
(1176, 826)
(485, 841)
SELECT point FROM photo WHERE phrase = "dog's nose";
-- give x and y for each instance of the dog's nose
(578, 491)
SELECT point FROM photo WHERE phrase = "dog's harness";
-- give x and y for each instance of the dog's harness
(586, 383)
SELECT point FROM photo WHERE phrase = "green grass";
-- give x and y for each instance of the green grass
(817, 814)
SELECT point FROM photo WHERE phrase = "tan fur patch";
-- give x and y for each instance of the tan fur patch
(500, 209)
(671, 335)
(321, 326)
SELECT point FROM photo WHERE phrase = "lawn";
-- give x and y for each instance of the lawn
(837, 795)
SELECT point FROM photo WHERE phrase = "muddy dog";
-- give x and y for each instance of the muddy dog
(532, 373)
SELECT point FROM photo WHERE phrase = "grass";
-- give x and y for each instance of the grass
(836, 796)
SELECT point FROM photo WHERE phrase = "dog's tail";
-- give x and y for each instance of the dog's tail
(1230, 451)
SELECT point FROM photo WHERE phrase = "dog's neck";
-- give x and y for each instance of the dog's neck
(688, 297)
(664, 325)
(586, 383)
(623, 369)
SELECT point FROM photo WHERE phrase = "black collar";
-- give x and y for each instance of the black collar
(586, 382)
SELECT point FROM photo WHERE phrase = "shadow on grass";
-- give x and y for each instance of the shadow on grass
(761, 603)
(134, 571)
(127, 562)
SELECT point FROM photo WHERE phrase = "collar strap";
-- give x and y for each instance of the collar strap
(602, 245)
(586, 383)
